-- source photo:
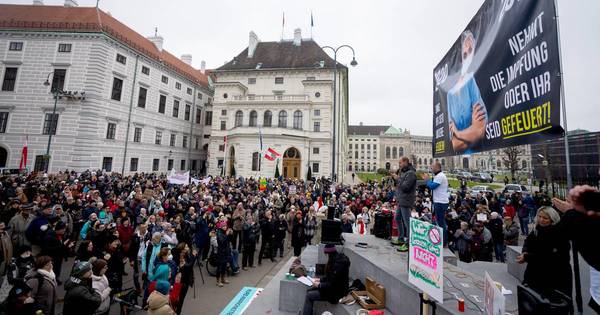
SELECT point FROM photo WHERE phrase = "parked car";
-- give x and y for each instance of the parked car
(512, 188)
(482, 177)
(464, 175)
(478, 189)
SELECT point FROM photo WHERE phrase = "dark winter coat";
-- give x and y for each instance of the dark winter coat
(335, 283)
(406, 185)
(43, 291)
(496, 227)
(281, 228)
(298, 236)
(546, 252)
(250, 235)
(81, 298)
(223, 247)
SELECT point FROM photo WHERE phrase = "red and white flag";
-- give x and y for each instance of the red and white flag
(23, 163)
(271, 154)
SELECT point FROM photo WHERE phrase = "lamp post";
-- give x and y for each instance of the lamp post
(352, 63)
(53, 122)
(70, 95)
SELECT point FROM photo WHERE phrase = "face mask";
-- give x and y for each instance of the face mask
(28, 300)
(170, 257)
(465, 64)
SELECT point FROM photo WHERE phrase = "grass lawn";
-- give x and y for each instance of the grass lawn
(365, 177)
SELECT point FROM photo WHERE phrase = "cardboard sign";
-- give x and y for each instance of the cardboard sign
(493, 299)
(425, 261)
(292, 189)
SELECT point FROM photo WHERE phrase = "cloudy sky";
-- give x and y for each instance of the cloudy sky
(397, 45)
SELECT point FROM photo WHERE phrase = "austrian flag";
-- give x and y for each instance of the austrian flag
(271, 154)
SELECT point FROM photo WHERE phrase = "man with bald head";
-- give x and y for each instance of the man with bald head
(439, 188)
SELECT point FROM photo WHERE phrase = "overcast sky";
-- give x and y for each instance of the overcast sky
(397, 45)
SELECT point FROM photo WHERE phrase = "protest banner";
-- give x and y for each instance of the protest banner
(425, 262)
(241, 301)
(499, 85)
(178, 178)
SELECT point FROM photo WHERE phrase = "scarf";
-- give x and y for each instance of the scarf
(361, 230)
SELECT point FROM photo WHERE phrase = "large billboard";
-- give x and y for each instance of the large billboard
(499, 84)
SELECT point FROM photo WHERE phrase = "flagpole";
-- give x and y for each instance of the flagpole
(311, 24)
(282, 25)
(225, 157)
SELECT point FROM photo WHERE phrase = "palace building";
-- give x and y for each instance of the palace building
(124, 103)
(282, 90)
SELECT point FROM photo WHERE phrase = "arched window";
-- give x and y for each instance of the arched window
(524, 164)
(282, 119)
(255, 161)
(400, 151)
(387, 166)
(443, 162)
(267, 119)
(239, 118)
(465, 163)
(430, 161)
(387, 153)
(394, 153)
(298, 120)
(420, 161)
(350, 166)
(498, 164)
(253, 118)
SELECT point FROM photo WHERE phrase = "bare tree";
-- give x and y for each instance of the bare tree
(511, 159)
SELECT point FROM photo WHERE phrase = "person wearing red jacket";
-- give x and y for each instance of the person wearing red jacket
(509, 209)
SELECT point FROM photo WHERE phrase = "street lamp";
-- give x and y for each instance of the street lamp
(53, 122)
(352, 63)
(70, 95)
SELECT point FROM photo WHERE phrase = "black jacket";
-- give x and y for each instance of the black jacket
(281, 228)
(298, 233)
(335, 283)
(548, 260)
(406, 185)
(584, 231)
(223, 247)
(267, 230)
(80, 298)
(251, 233)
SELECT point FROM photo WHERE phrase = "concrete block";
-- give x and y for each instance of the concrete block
(515, 269)
(292, 294)
(449, 257)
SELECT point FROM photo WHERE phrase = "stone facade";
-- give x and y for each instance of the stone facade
(299, 101)
(373, 147)
(82, 140)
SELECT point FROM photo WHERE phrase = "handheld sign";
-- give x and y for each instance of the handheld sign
(425, 262)
(493, 297)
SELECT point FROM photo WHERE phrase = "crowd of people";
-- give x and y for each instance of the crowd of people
(103, 222)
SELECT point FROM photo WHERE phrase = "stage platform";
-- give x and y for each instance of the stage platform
(384, 264)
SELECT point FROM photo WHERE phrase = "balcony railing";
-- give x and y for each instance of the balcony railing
(271, 98)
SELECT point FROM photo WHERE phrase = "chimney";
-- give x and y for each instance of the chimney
(38, 2)
(252, 43)
(297, 37)
(187, 58)
(203, 67)
(157, 40)
(71, 3)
